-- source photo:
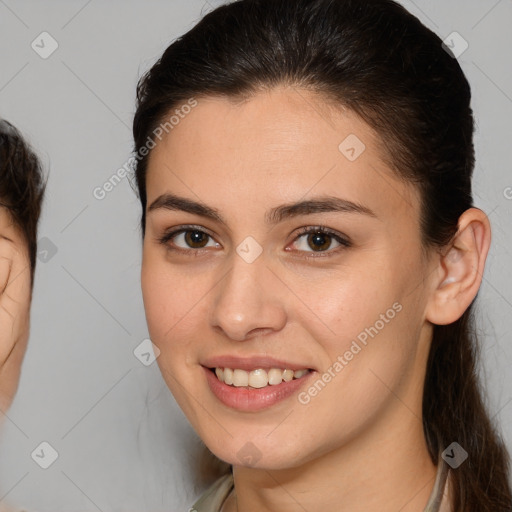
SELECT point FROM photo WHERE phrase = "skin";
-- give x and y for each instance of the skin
(15, 299)
(358, 445)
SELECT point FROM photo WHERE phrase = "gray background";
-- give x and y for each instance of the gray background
(123, 443)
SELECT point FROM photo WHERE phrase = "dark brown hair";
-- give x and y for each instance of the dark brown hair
(21, 186)
(380, 61)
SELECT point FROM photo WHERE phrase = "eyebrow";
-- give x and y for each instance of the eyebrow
(274, 216)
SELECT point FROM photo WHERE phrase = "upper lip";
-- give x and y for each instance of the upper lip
(252, 363)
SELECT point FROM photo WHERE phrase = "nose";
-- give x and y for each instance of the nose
(247, 301)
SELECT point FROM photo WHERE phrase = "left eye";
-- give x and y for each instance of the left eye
(319, 239)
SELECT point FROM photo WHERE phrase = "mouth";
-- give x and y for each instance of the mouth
(254, 384)
(257, 378)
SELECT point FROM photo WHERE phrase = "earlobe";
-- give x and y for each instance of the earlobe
(460, 269)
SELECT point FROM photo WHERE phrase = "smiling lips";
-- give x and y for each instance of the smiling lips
(254, 383)
(242, 396)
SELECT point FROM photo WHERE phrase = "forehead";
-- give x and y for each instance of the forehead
(280, 145)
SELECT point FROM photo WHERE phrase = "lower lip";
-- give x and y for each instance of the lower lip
(253, 399)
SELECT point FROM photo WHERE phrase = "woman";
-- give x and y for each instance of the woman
(311, 255)
(21, 196)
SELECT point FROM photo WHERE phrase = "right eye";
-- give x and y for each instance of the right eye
(187, 239)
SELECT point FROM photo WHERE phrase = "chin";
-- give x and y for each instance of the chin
(257, 454)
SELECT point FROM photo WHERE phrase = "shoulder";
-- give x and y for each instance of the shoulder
(212, 498)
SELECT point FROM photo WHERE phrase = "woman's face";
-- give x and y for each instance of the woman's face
(247, 282)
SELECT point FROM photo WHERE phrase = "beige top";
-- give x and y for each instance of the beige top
(213, 498)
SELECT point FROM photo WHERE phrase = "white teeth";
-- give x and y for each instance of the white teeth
(275, 376)
(240, 378)
(258, 378)
(228, 376)
(288, 375)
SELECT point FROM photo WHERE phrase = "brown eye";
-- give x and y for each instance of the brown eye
(187, 239)
(196, 239)
(319, 239)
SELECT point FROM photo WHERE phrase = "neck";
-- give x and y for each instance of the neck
(385, 469)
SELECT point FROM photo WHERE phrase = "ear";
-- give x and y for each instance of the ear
(15, 298)
(460, 269)
(5, 264)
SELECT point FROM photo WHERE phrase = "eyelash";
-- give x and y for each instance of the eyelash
(344, 243)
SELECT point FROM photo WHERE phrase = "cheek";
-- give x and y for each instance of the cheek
(364, 327)
(170, 308)
(173, 301)
(159, 294)
(343, 304)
